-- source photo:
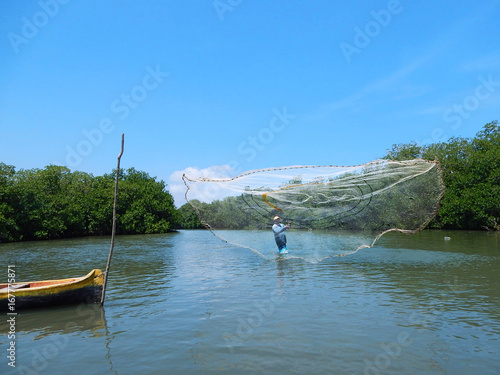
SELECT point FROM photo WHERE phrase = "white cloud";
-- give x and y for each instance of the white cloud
(178, 189)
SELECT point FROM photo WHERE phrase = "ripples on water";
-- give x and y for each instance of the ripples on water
(187, 303)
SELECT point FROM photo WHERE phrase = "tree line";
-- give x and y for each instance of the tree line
(54, 203)
(471, 175)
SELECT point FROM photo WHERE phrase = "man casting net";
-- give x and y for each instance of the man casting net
(332, 210)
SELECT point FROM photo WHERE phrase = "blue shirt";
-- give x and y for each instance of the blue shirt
(279, 232)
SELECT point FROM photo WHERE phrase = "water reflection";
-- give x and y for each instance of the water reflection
(85, 318)
(52, 331)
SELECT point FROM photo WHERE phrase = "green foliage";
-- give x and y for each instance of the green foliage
(57, 203)
(7, 202)
(404, 151)
(188, 219)
(144, 205)
(471, 174)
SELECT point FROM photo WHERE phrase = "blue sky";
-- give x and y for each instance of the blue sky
(221, 87)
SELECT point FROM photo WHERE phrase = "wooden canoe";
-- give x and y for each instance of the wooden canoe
(46, 293)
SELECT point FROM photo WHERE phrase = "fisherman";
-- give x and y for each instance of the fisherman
(279, 234)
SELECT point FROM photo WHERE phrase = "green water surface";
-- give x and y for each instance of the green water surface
(187, 303)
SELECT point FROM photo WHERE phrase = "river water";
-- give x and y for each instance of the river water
(187, 303)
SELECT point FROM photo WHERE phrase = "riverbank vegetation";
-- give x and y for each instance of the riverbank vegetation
(54, 202)
(471, 174)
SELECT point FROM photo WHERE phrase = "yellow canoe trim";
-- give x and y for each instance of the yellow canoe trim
(45, 287)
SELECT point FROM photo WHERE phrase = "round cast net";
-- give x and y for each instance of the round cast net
(332, 210)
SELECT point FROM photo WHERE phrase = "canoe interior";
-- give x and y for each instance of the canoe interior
(36, 284)
(46, 293)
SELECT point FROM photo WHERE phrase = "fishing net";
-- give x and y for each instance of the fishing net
(332, 210)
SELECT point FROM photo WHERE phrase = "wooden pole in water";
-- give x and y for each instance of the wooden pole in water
(113, 230)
